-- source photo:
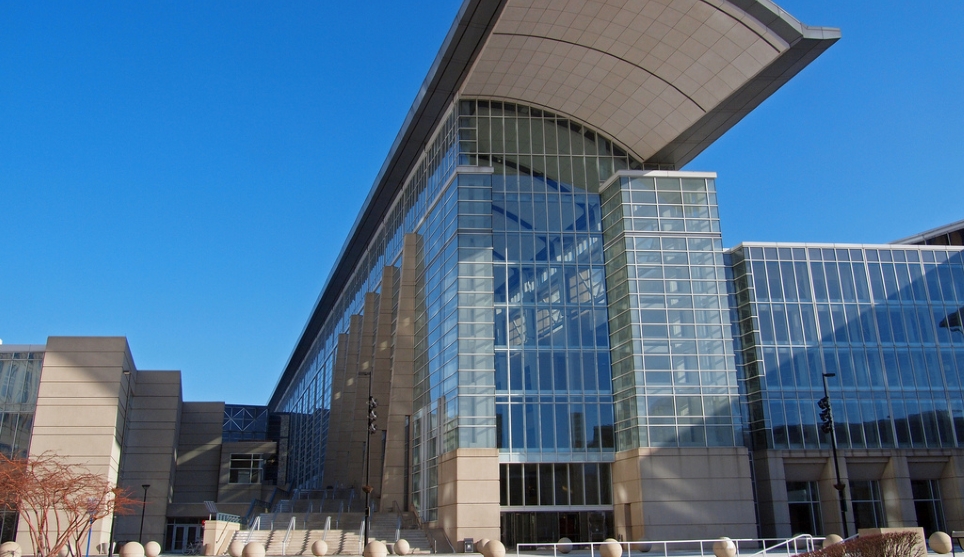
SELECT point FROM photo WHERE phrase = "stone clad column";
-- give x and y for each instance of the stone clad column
(402, 357)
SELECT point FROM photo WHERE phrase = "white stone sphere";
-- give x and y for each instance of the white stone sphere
(132, 549)
(401, 547)
(152, 549)
(610, 548)
(830, 540)
(565, 545)
(940, 543)
(724, 547)
(319, 548)
(253, 549)
(494, 549)
(11, 549)
(643, 547)
(376, 548)
(480, 545)
(235, 548)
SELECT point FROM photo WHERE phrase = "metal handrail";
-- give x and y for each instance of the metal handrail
(324, 536)
(398, 527)
(311, 509)
(361, 538)
(705, 545)
(418, 519)
(448, 541)
(809, 544)
(341, 507)
(351, 497)
(284, 543)
(255, 525)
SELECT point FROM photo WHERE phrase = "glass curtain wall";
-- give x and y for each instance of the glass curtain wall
(512, 341)
(307, 398)
(515, 301)
(674, 373)
(884, 320)
(19, 385)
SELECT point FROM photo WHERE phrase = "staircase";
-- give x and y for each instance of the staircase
(383, 530)
(341, 541)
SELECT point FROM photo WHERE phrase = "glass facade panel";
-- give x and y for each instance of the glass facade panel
(674, 374)
(890, 347)
(19, 385)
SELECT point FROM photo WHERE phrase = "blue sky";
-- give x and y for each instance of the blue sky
(184, 174)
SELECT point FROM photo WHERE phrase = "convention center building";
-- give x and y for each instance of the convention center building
(534, 330)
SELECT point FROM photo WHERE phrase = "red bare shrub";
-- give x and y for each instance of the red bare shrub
(57, 501)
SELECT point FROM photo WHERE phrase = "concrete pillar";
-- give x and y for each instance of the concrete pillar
(397, 474)
(692, 493)
(468, 494)
(829, 499)
(952, 491)
(771, 489)
(898, 496)
(337, 450)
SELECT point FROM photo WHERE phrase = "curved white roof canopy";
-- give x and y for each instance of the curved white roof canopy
(665, 78)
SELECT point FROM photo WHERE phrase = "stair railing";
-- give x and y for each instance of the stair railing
(327, 527)
(284, 542)
(351, 497)
(311, 509)
(341, 507)
(361, 538)
(398, 527)
(256, 525)
(790, 545)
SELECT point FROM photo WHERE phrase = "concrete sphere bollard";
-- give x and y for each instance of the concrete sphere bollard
(940, 543)
(401, 547)
(480, 545)
(724, 547)
(235, 548)
(152, 549)
(830, 540)
(319, 548)
(565, 545)
(10, 549)
(133, 549)
(494, 549)
(376, 548)
(253, 549)
(643, 547)
(610, 548)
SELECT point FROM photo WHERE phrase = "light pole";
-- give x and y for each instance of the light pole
(140, 533)
(826, 415)
(92, 504)
(367, 488)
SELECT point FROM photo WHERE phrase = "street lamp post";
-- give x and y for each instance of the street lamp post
(140, 533)
(826, 415)
(92, 504)
(367, 488)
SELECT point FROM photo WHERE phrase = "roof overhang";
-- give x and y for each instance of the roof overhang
(664, 78)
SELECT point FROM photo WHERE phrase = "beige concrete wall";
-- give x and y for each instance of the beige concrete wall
(236, 496)
(336, 452)
(82, 408)
(198, 458)
(152, 433)
(468, 494)
(893, 469)
(952, 490)
(688, 493)
(397, 469)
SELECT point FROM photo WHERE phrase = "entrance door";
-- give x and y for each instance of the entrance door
(181, 536)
